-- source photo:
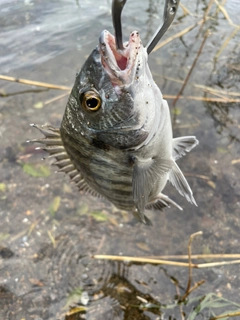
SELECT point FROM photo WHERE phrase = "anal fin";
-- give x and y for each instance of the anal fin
(162, 201)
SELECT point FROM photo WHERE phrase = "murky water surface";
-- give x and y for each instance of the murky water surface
(48, 231)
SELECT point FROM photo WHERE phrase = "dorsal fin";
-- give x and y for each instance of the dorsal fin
(52, 143)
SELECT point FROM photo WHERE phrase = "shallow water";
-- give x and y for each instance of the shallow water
(48, 231)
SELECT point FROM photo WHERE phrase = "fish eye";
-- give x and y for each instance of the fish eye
(90, 101)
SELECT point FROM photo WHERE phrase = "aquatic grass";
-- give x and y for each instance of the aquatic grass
(3, 187)
(98, 216)
(75, 297)
(206, 305)
(209, 303)
(54, 206)
(36, 170)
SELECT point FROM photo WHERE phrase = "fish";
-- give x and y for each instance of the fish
(115, 140)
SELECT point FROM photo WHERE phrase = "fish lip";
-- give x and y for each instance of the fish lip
(120, 65)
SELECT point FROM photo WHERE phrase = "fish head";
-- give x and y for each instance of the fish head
(113, 98)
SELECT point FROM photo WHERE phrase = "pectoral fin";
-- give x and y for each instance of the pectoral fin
(145, 174)
(182, 145)
(178, 180)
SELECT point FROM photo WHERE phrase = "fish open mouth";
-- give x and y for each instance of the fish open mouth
(119, 64)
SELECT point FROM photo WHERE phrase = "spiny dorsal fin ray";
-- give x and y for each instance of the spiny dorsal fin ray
(54, 146)
(178, 180)
(144, 177)
(182, 145)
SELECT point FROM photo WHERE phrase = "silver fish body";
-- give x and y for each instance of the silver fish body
(115, 139)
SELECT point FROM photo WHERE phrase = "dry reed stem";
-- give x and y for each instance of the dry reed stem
(216, 264)
(172, 79)
(235, 161)
(185, 10)
(197, 256)
(52, 239)
(141, 260)
(230, 315)
(213, 90)
(225, 13)
(164, 262)
(192, 67)
(205, 14)
(166, 96)
(177, 35)
(55, 98)
(34, 83)
(225, 43)
(205, 88)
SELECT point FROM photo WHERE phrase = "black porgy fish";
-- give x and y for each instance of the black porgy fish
(115, 138)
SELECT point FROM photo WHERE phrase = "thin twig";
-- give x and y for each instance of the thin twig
(192, 67)
(34, 83)
(189, 258)
(176, 283)
(194, 287)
